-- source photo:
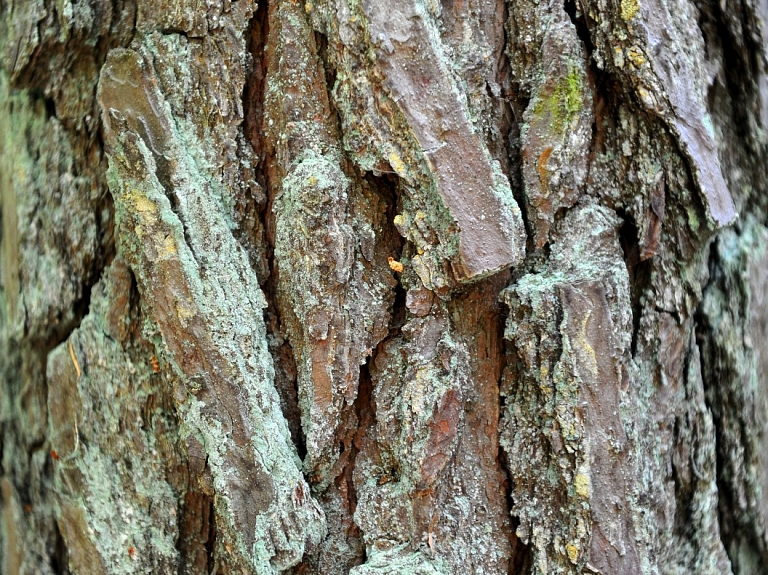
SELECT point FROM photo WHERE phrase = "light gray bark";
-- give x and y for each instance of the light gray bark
(383, 287)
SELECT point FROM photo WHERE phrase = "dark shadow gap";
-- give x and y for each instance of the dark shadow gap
(639, 271)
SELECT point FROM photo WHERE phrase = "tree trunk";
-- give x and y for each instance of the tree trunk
(383, 287)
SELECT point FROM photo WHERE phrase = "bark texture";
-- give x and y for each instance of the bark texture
(403, 287)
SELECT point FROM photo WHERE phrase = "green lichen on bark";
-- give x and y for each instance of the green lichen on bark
(400, 561)
(112, 440)
(55, 236)
(197, 280)
(45, 190)
(563, 426)
(565, 101)
(557, 129)
(633, 395)
(733, 365)
(336, 288)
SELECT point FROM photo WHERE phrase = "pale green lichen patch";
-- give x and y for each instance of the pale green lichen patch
(205, 298)
(47, 252)
(339, 296)
(401, 561)
(733, 366)
(422, 383)
(568, 328)
(411, 396)
(328, 241)
(110, 472)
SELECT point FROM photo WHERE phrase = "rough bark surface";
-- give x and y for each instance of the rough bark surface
(413, 287)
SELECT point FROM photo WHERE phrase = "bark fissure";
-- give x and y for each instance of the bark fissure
(280, 346)
(723, 372)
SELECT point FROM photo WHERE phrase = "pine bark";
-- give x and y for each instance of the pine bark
(383, 287)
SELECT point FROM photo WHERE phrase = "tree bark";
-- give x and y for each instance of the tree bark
(383, 287)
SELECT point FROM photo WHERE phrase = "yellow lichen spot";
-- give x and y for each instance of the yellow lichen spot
(582, 484)
(629, 9)
(308, 7)
(590, 356)
(311, 180)
(544, 372)
(145, 208)
(420, 215)
(636, 55)
(420, 266)
(418, 390)
(573, 552)
(395, 265)
(399, 220)
(646, 97)
(184, 311)
(143, 204)
(397, 163)
(167, 247)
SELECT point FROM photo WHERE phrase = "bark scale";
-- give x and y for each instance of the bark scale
(365, 287)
